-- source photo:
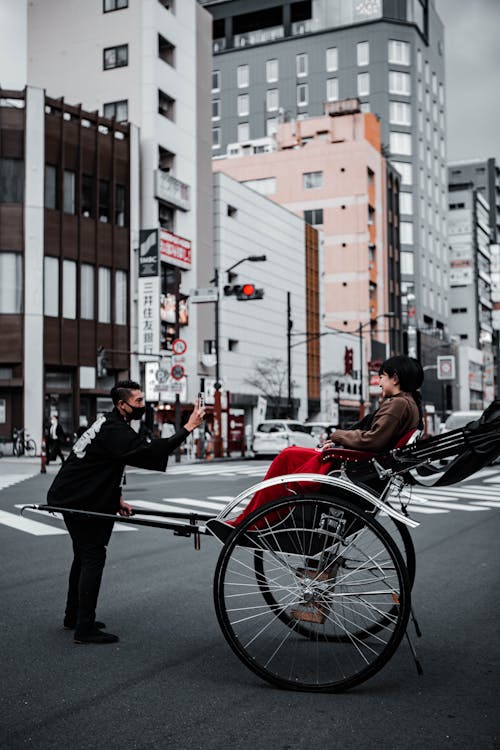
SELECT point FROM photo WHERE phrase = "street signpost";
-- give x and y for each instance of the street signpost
(207, 294)
(446, 367)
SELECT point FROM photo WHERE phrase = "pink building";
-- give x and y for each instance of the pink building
(331, 170)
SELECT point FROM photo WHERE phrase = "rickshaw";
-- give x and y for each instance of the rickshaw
(313, 591)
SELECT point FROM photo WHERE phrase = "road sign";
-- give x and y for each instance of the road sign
(179, 346)
(177, 372)
(446, 367)
(208, 294)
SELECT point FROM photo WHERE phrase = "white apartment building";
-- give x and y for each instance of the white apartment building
(148, 62)
(253, 332)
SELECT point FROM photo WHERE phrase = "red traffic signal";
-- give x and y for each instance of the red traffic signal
(243, 291)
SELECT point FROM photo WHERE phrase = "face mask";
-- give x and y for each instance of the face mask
(137, 412)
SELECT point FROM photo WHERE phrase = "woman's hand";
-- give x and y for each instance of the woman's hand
(196, 417)
(328, 445)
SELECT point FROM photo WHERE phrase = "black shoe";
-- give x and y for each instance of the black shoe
(70, 624)
(96, 636)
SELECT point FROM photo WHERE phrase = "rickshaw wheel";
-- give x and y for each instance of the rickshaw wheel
(318, 567)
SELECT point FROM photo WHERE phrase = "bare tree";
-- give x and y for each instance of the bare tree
(270, 377)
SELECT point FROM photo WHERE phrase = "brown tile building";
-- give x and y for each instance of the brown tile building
(65, 248)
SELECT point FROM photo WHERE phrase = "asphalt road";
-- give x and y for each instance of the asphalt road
(173, 682)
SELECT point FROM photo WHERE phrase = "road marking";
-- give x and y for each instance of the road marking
(9, 479)
(27, 525)
(489, 503)
(448, 505)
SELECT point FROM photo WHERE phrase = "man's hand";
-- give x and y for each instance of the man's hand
(196, 417)
(125, 508)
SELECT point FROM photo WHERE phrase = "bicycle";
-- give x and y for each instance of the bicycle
(22, 443)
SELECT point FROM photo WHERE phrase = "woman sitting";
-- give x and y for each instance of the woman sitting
(401, 411)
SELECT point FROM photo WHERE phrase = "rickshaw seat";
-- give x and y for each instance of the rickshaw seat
(350, 454)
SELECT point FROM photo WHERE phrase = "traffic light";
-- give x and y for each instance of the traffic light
(101, 362)
(243, 291)
(348, 360)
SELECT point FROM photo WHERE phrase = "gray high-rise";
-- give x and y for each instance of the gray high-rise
(284, 60)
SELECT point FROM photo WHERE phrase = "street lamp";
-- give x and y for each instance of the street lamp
(217, 387)
(360, 334)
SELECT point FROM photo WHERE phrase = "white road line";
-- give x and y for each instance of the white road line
(10, 479)
(424, 509)
(27, 525)
(489, 503)
(450, 505)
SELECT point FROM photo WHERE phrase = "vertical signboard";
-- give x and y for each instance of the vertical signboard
(148, 295)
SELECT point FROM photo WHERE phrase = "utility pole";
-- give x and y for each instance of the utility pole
(217, 387)
(289, 326)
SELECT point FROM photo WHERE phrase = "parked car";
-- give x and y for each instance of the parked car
(460, 419)
(320, 431)
(273, 435)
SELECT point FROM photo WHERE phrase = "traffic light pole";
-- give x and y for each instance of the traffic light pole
(361, 397)
(289, 326)
(217, 387)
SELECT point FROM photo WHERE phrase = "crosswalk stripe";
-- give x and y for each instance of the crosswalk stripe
(425, 509)
(489, 503)
(10, 479)
(446, 504)
(26, 524)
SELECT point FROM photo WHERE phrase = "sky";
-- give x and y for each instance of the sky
(472, 43)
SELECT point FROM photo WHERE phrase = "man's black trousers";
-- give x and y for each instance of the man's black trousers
(90, 538)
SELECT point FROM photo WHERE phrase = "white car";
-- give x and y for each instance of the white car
(320, 431)
(273, 435)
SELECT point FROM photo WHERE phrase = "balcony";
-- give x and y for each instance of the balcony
(259, 36)
(171, 190)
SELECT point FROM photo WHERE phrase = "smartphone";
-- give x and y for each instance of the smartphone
(201, 399)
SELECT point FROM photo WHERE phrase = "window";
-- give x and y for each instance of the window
(11, 180)
(215, 137)
(11, 283)
(399, 83)
(314, 217)
(50, 199)
(364, 107)
(265, 186)
(110, 5)
(86, 291)
(69, 187)
(120, 206)
(419, 60)
(363, 84)
(69, 289)
(116, 110)
(301, 65)
(332, 59)
(406, 203)
(243, 132)
(104, 201)
(115, 57)
(166, 51)
(363, 53)
(272, 100)
(166, 105)
(407, 263)
(166, 216)
(302, 94)
(400, 113)
(242, 76)
(441, 94)
(243, 105)
(434, 84)
(104, 299)
(216, 80)
(216, 109)
(121, 298)
(405, 170)
(406, 232)
(399, 52)
(332, 89)
(87, 201)
(271, 126)
(312, 180)
(427, 72)
(400, 143)
(51, 287)
(272, 71)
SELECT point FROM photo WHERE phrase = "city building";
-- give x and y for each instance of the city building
(282, 61)
(257, 357)
(331, 171)
(484, 175)
(146, 62)
(66, 177)
(470, 292)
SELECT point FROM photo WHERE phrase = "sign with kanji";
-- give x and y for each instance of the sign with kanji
(446, 367)
(148, 317)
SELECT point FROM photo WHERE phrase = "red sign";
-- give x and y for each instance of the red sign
(179, 346)
(174, 249)
(177, 372)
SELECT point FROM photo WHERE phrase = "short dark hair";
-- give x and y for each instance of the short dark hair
(408, 369)
(123, 389)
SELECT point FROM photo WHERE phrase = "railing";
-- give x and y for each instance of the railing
(259, 36)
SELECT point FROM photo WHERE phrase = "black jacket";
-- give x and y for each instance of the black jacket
(91, 476)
